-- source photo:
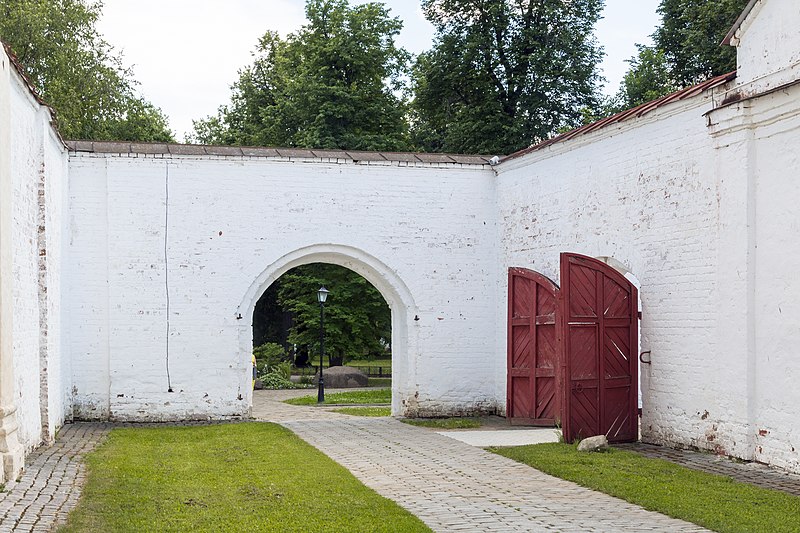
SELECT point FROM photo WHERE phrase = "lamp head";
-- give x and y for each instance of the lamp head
(322, 295)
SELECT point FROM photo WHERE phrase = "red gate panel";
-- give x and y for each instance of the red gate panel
(600, 320)
(533, 392)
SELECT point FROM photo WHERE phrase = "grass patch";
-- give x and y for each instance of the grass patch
(713, 501)
(358, 363)
(379, 382)
(365, 411)
(444, 423)
(226, 478)
(375, 396)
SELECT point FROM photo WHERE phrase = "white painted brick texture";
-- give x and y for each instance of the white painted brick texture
(38, 157)
(646, 196)
(229, 219)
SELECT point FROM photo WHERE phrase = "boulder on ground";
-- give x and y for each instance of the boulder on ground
(593, 444)
(343, 377)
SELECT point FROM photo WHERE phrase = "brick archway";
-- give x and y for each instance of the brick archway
(376, 272)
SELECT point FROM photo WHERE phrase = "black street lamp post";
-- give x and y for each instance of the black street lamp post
(322, 295)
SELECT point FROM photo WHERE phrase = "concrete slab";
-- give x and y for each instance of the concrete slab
(505, 437)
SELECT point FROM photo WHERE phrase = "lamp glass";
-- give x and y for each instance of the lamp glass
(322, 295)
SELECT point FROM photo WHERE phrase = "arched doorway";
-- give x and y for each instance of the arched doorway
(286, 323)
(382, 277)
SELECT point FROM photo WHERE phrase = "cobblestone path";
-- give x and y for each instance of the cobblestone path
(746, 472)
(51, 484)
(450, 485)
(453, 486)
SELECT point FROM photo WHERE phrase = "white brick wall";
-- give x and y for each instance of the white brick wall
(645, 194)
(39, 170)
(769, 45)
(702, 210)
(427, 232)
(757, 141)
(26, 165)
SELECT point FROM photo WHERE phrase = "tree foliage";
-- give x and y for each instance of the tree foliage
(357, 318)
(691, 37)
(504, 74)
(647, 79)
(687, 50)
(332, 84)
(77, 71)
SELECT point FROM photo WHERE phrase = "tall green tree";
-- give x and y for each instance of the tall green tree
(691, 35)
(77, 71)
(332, 84)
(687, 49)
(504, 74)
(648, 78)
(357, 318)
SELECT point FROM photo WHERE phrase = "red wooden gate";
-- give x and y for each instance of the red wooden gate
(600, 316)
(533, 346)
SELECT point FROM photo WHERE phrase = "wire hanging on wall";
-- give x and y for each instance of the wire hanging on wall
(166, 268)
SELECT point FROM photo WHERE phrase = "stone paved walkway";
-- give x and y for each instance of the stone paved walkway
(450, 485)
(453, 486)
(753, 473)
(51, 484)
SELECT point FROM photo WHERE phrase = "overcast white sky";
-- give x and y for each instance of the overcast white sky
(186, 53)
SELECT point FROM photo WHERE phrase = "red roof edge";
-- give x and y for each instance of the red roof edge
(636, 112)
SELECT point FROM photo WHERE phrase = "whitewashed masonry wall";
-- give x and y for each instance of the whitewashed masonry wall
(208, 230)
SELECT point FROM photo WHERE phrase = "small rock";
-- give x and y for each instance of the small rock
(593, 444)
(259, 385)
(343, 377)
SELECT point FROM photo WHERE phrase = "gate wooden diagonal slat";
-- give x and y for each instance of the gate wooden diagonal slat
(533, 396)
(571, 351)
(600, 330)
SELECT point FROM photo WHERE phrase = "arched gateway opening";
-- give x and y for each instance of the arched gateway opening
(377, 273)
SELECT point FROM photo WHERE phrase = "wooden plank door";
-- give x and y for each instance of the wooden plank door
(533, 396)
(600, 316)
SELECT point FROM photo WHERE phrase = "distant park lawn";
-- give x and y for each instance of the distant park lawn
(370, 397)
(365, 411)
(226, 478)
(712, 501)
(385, 363)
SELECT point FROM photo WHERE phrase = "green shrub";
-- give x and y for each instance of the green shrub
(269, 354)
(278, 377)
(284, 369)
(275, 380)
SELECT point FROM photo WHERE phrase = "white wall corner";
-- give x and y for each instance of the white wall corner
(11, 450)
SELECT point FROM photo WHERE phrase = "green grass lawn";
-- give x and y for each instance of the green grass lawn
(715, 502)
(358, 363)
(444, 423)
(374, 396)
(385, 363)
(379, 382)
(365, 411)
(226, 478)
